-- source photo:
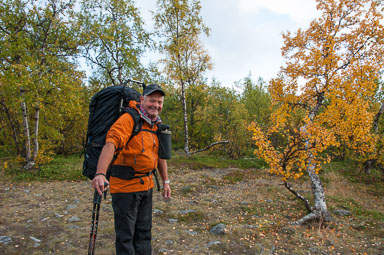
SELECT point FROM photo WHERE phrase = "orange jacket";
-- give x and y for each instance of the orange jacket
(141, 153)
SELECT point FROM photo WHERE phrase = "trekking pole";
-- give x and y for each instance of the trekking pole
(95, 220)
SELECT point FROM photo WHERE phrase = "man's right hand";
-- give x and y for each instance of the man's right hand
(98, 183)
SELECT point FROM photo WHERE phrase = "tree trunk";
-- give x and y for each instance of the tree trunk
(27, 137)
(35, 140)
(15, 131)
(377, 117)
(319, 210)
(210, 146)
(184, 103)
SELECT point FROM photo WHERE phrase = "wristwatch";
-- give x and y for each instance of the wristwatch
(166, 182)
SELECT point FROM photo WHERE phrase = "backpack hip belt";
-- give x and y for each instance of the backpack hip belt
(128, 173)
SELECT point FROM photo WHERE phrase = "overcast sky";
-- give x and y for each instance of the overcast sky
(246, 34)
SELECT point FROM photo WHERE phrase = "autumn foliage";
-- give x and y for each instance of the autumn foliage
(324, 91)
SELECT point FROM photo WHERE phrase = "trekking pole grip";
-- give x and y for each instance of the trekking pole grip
(97, 197)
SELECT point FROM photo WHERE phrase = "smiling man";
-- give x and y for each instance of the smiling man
(131, 181)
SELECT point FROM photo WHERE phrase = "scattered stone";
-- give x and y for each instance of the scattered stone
(172, 220)
(76, 201)
(29, 221)
(73, 227)
(211, 243)
(157, 211)
(35, 239)
(342, 212)
(38, 195)
(191, 232)
(69, 207)
(269, 200)
(186, 211)
(219, 229)
(169, 242)
(58, 215)
(5, 239)
(45, 219)
(316, 250)
(251, 226)
(36, 245)
(244, 203)
(163, 250)
(73, 219)
(26, 190)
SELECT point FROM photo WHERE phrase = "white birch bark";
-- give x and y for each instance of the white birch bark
(27, 144)
(186, 138)
(319, 210)
(35, 139)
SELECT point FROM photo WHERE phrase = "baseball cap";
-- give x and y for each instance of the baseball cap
(153, 88)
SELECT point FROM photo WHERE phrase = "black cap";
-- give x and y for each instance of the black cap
(153, 88)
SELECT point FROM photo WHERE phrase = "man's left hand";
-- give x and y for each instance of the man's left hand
(166, 191)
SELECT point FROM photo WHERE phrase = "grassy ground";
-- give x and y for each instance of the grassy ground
(255, 207)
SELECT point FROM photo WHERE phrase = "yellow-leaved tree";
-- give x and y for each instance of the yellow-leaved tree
(322, 95)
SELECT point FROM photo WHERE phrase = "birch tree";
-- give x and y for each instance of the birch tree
(179, 25)
(115, 40)
(37, 77)
(322, 95)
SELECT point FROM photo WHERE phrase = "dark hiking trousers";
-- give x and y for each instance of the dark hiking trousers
(133, 222)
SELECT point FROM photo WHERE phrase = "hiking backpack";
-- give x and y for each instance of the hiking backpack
(105, 108)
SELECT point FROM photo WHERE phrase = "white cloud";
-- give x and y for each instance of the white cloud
(299, 10)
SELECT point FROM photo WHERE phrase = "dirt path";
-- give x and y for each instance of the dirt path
(254, 208)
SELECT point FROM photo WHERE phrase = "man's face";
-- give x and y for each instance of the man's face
(153, 104)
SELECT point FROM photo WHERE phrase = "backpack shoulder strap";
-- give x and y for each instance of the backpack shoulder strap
(138, 124)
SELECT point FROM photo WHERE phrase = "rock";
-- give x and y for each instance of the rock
(163, 250)
(58, 215)
(186, 211)
(191, 232)
(5, 239)
(219, 229)
(211, 243)
(35, 239)
(157, 211)
(71, 207)
(315, 250)
(342, 212)
(172, 220)
(169, 242)
(73, 219)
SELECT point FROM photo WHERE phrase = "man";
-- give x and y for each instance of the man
(131, 183)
